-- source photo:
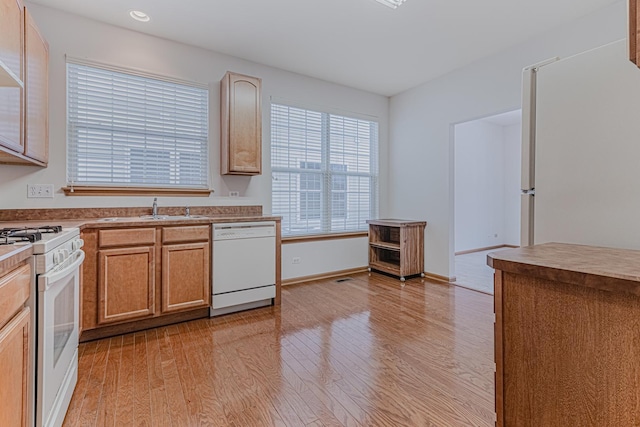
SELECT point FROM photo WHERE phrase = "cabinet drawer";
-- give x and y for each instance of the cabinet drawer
(185, 234)
(14, 291)
(127, 236)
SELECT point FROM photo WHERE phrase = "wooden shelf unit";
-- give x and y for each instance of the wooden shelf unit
(396, 247)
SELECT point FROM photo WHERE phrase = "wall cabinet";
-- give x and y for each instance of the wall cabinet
(634, 32)
(11, 75)
(397, 247)
(24, 110)
(241, 125)
(135, 275)
(15, 348)
(36, 89)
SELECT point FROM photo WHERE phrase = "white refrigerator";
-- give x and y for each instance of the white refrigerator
(581, 150)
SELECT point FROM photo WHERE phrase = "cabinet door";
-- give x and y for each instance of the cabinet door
(36, 92)
(126, 284)
(185, 276)
(241, 109)
(11, 47)
(15, 370)
(12, 35)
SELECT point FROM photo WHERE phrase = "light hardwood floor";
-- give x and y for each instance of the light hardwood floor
(365, 352)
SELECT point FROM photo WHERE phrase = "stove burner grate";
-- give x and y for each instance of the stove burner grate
(9, 236)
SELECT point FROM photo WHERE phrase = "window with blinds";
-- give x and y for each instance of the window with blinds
(131, 130)
(325, 171)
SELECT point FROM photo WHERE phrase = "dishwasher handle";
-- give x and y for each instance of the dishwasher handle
(244, 230)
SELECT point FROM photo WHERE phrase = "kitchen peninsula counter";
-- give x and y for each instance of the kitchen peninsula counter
(567, 335)
(608, 269)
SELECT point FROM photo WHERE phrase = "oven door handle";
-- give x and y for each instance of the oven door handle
(45, 279)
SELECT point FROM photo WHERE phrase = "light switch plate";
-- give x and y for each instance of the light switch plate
(40, 191)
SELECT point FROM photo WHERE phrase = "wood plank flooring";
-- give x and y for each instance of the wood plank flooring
(365, 352)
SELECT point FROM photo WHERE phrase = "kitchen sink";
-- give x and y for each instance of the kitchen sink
(171, 217)
(152, 218)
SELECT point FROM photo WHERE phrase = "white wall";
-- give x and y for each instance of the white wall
(314, 257)
(479, 185)
(83, 38)
(421, 151)
(512, 142)
(487, 185)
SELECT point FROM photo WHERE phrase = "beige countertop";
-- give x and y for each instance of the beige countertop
(120, 222)
(11, 255)
(609, 269)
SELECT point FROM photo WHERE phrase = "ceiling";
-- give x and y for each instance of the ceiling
(357, 43)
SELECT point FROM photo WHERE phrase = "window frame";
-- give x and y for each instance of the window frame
(202, 150)
(328, 177)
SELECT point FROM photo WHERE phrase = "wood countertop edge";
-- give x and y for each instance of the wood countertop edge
(605, 280)
(11, 258)
(392, 222)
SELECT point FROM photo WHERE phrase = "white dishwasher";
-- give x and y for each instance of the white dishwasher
(244, 266)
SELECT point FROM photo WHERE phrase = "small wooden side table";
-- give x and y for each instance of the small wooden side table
(396, 246)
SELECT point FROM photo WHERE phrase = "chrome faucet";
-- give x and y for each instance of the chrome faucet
(154, 210)
(186, 211)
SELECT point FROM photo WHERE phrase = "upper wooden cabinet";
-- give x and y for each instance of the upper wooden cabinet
(36, 92)
(11, 42)
(241, 125)
(24, 75)
(11, 75)
(634, 34)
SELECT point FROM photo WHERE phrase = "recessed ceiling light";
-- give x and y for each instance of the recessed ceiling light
(141, 16)
(393, 4)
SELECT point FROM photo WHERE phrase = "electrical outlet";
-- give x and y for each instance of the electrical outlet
(296, 260)
(234, 193)
(40, 191)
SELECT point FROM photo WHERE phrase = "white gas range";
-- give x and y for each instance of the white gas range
(58, 256)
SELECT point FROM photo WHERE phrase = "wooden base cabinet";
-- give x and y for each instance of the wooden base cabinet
(15, 370)
(186, 267)
(16, 366)
(567, 336)
(397, 247)
(136, 278)
(126, 285)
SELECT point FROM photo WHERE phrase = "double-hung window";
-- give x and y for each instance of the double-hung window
(127, 129)
(325, 171)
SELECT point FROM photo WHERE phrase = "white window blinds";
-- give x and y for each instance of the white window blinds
(325, 171)
(130, 130)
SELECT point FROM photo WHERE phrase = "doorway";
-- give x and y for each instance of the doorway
(487, 154)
